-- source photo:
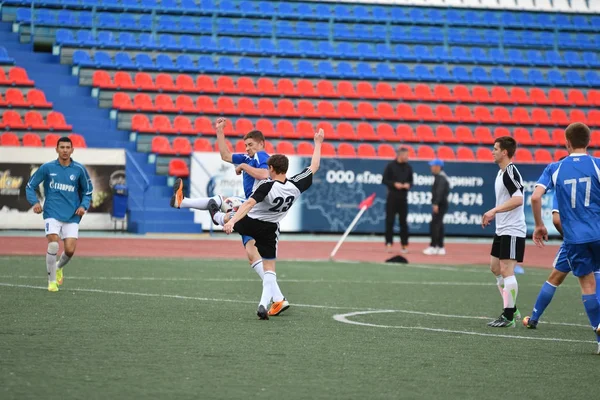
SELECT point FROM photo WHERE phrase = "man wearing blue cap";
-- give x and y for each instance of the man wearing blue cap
(439, 203)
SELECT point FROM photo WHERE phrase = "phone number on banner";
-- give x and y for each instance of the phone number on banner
(462, 199)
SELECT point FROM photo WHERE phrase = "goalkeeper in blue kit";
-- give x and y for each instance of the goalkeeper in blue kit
(68, 193)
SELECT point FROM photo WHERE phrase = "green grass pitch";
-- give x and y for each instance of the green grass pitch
(187, 329)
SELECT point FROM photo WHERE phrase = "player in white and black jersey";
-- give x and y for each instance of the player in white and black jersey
(259, 218)
(508, 247)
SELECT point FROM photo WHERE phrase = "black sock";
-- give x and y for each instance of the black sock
(509, 313)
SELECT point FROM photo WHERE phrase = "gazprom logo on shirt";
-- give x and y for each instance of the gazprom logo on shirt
(61, 186)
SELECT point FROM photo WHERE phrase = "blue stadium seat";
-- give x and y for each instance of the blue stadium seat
(123, 61)
(418, 16)
(456, 36)
(592, 78)
(287, 10)
(66, 18)
(536, 58)
(322, 10)
(580, 23)
(461, 74)
(422, 54)
(361, 14)
(306, 69)
(345, 70)
(441, 74)
(147, 41)
(326, 69)
(562, 22)
(127, 21)
(45, 17)
(384, 51)
(285, 29)
(111, 3)
(497, 56)
(591, 59)
(165, 63)
(286, 47)
(65, 37)
(383, 71)
(228, 8)
(343, 13)
(554, 58)
(206, 44)
(516, 57)
(479, 75)
(492, 19)
(573, 59)
(367, 52)
(249, 46)
(189, 43)
(574, 79)
(227, 45)
(565, 41)
(264, 28)
(380, 14)
(284, 68)
(227, 66)
(107, 39)
(587, 42)
(517, 76)
(436, 17)
(327, 49)
(266, 67)
(364, 71)
(23, 15)
(145, 23)
(404, 53)
(168, 42)
(347, 50)
(207, 6)
(168, 5)
(343, 31)
(512, 38)
(228, 27)
(321, 30)
(249, 8)
(308, 48)
(499, 76)
(246, 66)
(107, 21)
(127, 40)
(422, 73)
(530, 20)
(458, 17)
(266, 8)
(459, 54)
(205, 64)
(103, 60)
(555, 78)
(510, 20)
(143, 61)
(185, 63)
(245, 27)
(399, 34)
(398, 15)
(536, 77)
(82, 59)
(404, 73)
(480, 56)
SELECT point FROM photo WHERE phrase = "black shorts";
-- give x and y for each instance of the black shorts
(266, 235)
(507, 247)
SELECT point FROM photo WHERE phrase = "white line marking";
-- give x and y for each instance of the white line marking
(344, 318)
(174, 296)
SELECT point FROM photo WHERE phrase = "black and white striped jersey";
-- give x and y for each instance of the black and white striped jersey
(274, 198)
(510, 184)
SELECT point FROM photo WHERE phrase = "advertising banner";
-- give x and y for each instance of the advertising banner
(342, 183)
(105, 167)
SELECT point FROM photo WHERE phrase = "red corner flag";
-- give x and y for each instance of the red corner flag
(366, 203)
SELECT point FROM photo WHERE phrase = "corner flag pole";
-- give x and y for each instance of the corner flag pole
(366, 203)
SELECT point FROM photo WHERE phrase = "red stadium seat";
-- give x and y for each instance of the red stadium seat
(543, 156)
(305, 129)
(560, 153)
(593, 97)
(32, 140)
(386, 151)
(9, 139)
(522, 137)
(285, 87)
(185, 83)
(345, 131)
(285, 147)
(185, 103)
(520, 115)
(224, 105)
(3, 78)
(541, 137)
(464, 154)
(305, 88)
(100, 79)
(444, 113)
(405, 133)
(205, 84)
(365, 131)
(540, 116)
(264, 86)
(557, 97)
(269, 148)
(178, 168)
(425, 133)
(464, 135)
(266, 127)
(483, 135)
(446, 153)
(326, 89)
(365, 91)
(227, 143)
(538, 96)
(464, 114)
(144, 81)
(502, 115)
(423, 93)
(78, 141)
(161, 145)
(424, 113)
(245, 86)
(328, 129)
(164, 103)
(346, 110)
(405, 112)
(162, 124)
(140, 123)
(327, 110)
(346, 90)
(484, 154)
(305, 149)
(558, 117)
(18, 76)
(576, 97)
(386, 111)
(37, 98)
(346, 150)
(558, 137)
(523, 155)
(386, 132)
(245, 106)
(577, 116)
(306, 109)
(519, 96)
(225, 85)
(462, 94)
(444, 134)
(243, 126)
(15, 98)
(205, 104)
(593, 118)
(481, 95)
(143, 102)
(2, 102)
(123, 81)
(501, 131)
(366, 111)
(327, 150)
(56, 120)
(482, 114)
(51, 140)
(183, 125)
(286, 108)
(500, 95)
(595, 139)
(404, 92)
(425, 152)
(366, 150)
(202, 144)
(182, 146)
(385, 91)
(285, 129)
(442, 93)
(34, 120)
(164, 82)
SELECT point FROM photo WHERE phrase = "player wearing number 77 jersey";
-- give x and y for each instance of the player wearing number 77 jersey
(259, 217)
(576, 181)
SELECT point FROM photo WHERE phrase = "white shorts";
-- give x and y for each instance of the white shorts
(63, 229)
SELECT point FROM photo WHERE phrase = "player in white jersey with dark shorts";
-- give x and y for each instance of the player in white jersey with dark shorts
(508, 247)
(259, 218)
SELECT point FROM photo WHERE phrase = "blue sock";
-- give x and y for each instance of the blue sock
(592, 308)
(544, 298)
(597, 276)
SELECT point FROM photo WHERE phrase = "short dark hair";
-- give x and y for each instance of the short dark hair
(507, 143)
(64, 139)
(578, 134)
(279, 162)
(255, 135)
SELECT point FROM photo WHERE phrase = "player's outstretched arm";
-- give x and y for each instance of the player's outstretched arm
(85, 192)
(316, 157)
(220, 128)
(540, 233)
(38, 177)
(256, 173)
(241, 213)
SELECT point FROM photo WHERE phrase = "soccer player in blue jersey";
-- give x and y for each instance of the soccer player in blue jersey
(576, 181)
(253, 168)
(68, 192)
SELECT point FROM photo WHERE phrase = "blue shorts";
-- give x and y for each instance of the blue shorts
(560, 262)
(246, 239)
(584, 258)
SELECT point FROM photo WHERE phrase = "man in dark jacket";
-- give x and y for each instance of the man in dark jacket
(398, 177)
(439, 202)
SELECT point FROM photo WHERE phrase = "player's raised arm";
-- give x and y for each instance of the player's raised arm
(38, 177)
(85, 189)
(220, 128)
(316, 157)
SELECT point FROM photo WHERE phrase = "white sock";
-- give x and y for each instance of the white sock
(51, 261)
(220, 218)
(257, 266)
(63, 260)
(500, 284)
(511, 290)
(268, 281)
(276, 292)
(199, 203)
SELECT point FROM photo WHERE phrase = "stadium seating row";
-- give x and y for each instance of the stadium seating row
(344, 131)
(181, 146)
(305, 12)
(342, 89)
(16, 76)
(35, 140)
(265, 107)
(343, 70)
(34, 120)
(326, 49)
(14, 97)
